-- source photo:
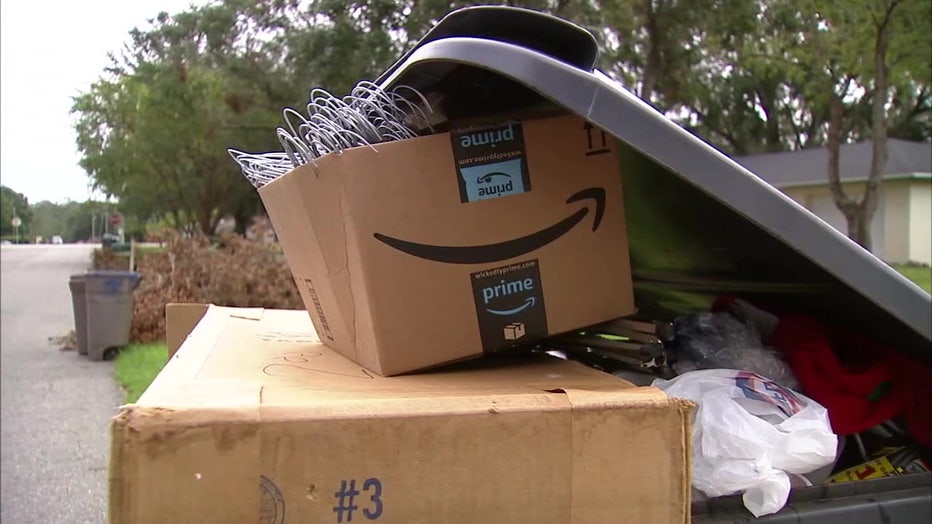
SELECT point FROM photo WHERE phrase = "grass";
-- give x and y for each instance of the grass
(137, 365)
(921, 275)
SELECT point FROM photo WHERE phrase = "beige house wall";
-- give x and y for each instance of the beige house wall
(898, 229)
(920, 221)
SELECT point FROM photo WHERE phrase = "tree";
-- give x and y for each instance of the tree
(745, 93)
(745, 75)
(154, 131)
(742, 74)
(13, 204)
(49, 220)
(86, 220)
(787, 74)
(73, 221)
(868, 58)
(652, 45)
(335, 43)
(157, 140)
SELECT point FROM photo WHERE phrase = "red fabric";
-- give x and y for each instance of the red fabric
(850, 387)
(845, 373)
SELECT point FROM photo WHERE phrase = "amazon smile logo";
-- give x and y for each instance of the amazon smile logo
(490, 177)
(528, 303)
(487, 253)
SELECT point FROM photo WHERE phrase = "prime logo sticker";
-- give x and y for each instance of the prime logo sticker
(509, 304)
(490, 163)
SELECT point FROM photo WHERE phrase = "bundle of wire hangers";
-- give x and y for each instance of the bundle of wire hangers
(368, 115)
(261, 168)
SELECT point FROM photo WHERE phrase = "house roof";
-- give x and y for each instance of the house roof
(810, 166)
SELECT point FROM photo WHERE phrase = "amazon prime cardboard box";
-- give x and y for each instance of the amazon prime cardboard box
(421, 252)
(253, 419)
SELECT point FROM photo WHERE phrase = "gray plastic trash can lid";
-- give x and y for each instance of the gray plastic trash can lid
(111, 281)
(111, 273)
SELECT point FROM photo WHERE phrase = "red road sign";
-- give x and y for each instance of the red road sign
(116, 219)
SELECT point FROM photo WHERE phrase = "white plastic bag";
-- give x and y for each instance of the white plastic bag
(749, 433)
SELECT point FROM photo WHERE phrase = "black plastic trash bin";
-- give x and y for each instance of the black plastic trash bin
(77, 285)
(109, 297)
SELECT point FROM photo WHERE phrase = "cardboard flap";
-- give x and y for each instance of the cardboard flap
(248, 313)
(596, 398)
(142, 419)
(180, 320)
(278, 405)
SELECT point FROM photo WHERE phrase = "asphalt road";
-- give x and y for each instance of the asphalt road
(56, 405)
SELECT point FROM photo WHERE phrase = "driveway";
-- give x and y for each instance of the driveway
(56, 405)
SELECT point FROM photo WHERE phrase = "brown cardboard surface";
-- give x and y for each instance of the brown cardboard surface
(180, 319)
(393, 264)
(253, 419)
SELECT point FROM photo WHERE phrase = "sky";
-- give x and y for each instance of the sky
(49, 53)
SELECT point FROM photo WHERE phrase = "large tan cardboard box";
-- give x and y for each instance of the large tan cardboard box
(254, 419)
(421, 252)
